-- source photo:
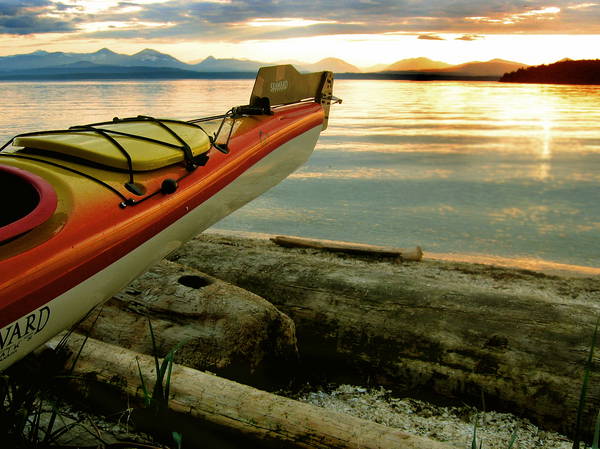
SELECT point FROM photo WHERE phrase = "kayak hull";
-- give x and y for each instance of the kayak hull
(81, 264)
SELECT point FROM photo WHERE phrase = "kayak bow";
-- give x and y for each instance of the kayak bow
(92, 207)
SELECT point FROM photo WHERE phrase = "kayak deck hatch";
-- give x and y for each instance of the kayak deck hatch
(134, 144)
(32, 202)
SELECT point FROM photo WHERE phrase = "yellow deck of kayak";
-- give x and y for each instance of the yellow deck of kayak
(145, 155)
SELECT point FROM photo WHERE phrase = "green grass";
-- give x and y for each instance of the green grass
(580, 406)
(511, 443)
(157, 400)
(29, 409)
(583, 395)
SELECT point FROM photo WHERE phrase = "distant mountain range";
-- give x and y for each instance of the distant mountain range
(413, 64)
(495, 67)
(107, 64)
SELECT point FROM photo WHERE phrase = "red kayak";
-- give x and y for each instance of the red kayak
(88, 209)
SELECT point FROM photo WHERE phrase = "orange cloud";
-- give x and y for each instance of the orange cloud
(548, 13)
(431, 37)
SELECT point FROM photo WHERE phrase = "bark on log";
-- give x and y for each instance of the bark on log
(359, 249)
(226, 330)
(239, 409)
(448, 329)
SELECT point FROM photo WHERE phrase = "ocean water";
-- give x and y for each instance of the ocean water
(470, 168)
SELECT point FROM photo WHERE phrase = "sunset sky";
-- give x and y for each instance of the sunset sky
(362, 32)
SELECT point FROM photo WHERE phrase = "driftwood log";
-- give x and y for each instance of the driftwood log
(246, 417)
(221, 328)
(359, 249)
(452, 330)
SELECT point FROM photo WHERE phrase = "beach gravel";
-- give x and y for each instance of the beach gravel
(453, 425)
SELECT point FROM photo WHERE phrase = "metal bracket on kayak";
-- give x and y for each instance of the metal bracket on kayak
(283, 84)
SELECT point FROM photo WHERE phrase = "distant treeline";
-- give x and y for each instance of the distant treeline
(563, 72)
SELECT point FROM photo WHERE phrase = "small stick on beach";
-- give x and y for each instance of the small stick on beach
(400, 254)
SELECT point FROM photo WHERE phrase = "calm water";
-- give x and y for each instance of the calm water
(470, 168)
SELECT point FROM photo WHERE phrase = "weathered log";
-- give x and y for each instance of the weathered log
(451, 330)
(237, 409)
(225, 329)
(360, 249)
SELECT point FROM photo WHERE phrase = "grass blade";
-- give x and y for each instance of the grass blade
(50, 425)
(584, 388)
(513, 438)
(596, 432)
(178, 438)
(147, 396)
(474, 440)
(154, 352)
(171, 358)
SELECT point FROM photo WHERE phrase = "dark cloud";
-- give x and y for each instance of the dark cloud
(28, 25)
(468, 8)
(26, 17)
(379, 16)
(12, 7)
(204, 19)
(431, 37)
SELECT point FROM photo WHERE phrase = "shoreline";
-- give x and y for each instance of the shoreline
(539, 265)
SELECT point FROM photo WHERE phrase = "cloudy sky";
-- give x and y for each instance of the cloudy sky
(362, 32)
